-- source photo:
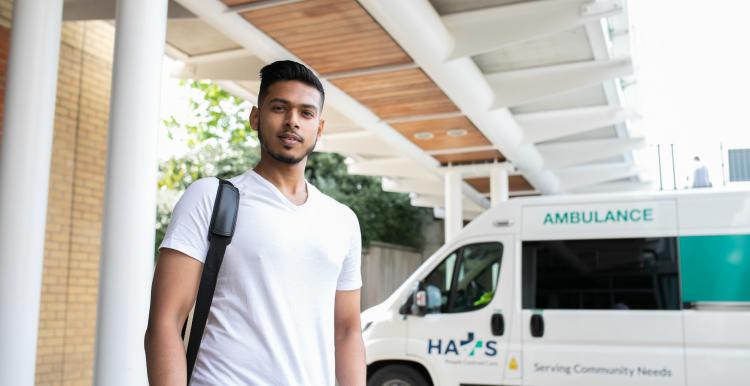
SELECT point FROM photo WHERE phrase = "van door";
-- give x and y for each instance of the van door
(463, 335)
(602, 311)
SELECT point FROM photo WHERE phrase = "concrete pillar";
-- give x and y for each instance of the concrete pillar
(24, 179)
(453, 204)
(130, 196)
(498, 186)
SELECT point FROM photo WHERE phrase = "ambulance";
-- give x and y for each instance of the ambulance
(629, 289)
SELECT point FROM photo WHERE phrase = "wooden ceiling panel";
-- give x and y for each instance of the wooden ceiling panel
(397, 93)
(515, 184)
(481, 184)
(470, 157)
(231, 3)
(439, 129)
(518, 183)
(329, 35)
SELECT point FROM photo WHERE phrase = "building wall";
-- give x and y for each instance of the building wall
(67, 323)
(384, 268)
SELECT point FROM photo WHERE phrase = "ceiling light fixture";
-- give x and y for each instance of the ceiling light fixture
(457, 132)
(424, 135)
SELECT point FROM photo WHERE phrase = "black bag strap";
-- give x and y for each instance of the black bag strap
(220, 232)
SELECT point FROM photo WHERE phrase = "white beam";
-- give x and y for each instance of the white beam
(548, 125)
(230, 67)
(512, 88)
(434, 201)
(238, 90)
(421, 32)
(479, 170)
(257, 5)
(391, 167)
(359, 142)
(130, 194)
(486, 30)
(408, 185)
(498, 186)
(581, 176)
(432, 188)
(218, 56)
(453, 204)
(24, 180)
(560, 155)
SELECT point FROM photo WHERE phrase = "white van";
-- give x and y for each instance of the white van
(598, 290)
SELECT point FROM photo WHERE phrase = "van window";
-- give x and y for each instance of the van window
(611, 274)
(469, 287)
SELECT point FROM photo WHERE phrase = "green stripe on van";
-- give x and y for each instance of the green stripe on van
(715, 268)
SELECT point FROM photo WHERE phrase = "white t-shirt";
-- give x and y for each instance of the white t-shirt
(271, 320)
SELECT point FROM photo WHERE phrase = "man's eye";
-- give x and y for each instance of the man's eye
(308, 114)
(277, 108)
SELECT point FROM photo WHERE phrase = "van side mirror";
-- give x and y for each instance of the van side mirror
(416, 304)
(419, 304)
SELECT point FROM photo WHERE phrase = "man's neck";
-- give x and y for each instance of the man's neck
(289, 179)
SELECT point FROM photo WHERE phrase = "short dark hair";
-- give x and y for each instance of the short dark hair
(287, 70)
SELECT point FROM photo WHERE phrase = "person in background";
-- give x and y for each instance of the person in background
(700, 174)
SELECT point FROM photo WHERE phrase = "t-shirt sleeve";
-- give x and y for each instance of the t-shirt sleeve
(188, 230)
(350, 277)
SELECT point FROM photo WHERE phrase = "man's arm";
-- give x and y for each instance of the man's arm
(173, 293)
(350, 350)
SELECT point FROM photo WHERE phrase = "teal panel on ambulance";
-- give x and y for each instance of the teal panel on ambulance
(715, 268)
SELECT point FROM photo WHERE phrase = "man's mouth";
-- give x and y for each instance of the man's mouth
(290, 139)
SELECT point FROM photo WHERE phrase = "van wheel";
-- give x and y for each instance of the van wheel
(397, 375)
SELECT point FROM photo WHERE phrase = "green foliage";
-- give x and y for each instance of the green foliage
(222, 144)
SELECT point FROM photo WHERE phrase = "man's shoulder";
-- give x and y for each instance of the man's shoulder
(207, 185)
(202, 187)
(334, 205)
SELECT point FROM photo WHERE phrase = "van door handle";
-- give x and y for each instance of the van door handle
(498, 324)
(537, 326)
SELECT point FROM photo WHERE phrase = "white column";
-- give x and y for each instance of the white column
(498, 186)
(130, 197)
(24, 180)
(453, 204)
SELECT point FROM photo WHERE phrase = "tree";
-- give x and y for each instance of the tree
(222, 144)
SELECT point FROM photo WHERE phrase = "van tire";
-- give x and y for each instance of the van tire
(397, 375)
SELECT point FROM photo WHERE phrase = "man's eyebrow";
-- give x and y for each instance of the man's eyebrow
(287, 102)
(280, 100)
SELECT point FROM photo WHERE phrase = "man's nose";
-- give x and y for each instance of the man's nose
(292, 119)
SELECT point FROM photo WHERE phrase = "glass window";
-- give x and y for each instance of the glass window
(438, 285)
(476, 278)
(614, 274)
(471, 286)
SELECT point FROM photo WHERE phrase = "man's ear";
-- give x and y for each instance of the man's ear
(321, 126)
(254, 116)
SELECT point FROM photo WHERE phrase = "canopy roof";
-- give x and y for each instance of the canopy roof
(415, 87)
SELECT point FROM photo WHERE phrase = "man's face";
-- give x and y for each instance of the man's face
(288, 121)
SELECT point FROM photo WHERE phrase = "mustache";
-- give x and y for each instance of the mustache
(292, 135)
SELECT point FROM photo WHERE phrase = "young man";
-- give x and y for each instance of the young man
(286, 306)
